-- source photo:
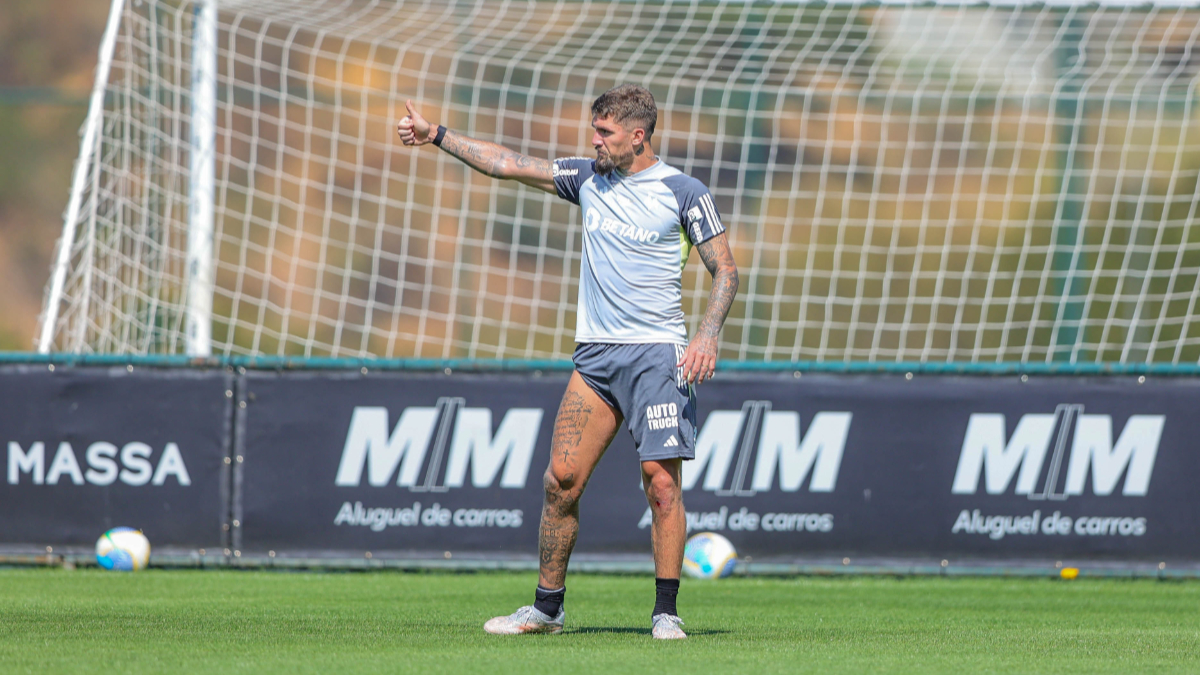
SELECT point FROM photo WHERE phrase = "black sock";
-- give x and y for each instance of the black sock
(664, 600)
(549, 602)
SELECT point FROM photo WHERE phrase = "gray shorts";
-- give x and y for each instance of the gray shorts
(643, 382)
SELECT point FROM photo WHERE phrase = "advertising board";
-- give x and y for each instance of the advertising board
(786, 467)
(88, 449)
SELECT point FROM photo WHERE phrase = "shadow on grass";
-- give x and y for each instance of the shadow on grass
(637, 631)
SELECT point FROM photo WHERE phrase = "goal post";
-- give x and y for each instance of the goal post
(976, 183)
(202, 181)
(83, 169)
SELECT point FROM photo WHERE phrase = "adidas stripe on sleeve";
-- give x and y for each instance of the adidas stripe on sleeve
(697, 213)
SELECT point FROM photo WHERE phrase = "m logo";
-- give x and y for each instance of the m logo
(779, 447)
(426, 467)
(985, 451)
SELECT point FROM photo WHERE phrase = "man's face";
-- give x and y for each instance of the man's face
(614, 146)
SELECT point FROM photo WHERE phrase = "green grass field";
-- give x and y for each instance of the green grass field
(55, 621)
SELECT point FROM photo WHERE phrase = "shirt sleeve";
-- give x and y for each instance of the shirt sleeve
(570, 173)
(697, 213)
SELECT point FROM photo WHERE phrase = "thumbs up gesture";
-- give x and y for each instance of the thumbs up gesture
(414, 129)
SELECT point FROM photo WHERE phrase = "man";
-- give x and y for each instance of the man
(633, 361)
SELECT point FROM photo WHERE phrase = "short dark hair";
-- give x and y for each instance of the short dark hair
(627, 103)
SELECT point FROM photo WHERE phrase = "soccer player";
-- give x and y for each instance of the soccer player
(633, 362)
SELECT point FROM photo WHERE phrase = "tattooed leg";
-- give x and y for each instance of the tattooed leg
(584, 427)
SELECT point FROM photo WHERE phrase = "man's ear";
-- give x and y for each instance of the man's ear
(639, 137)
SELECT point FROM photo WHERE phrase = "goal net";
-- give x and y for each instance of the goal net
(972, 183)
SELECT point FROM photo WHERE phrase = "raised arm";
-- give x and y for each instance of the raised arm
(700, 360)
(487, 158)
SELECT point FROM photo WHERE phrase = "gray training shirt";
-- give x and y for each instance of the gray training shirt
(637, 233)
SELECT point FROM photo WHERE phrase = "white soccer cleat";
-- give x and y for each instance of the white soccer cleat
(667, 627)
(526, 620)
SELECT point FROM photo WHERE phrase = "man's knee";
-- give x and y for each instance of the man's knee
(662, 487)
(561, 489)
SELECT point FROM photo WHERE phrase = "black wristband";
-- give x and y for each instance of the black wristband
(437, 139)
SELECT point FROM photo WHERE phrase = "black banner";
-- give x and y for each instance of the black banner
(786, 467)
(957, 467)
(89, 449)
(394, 461)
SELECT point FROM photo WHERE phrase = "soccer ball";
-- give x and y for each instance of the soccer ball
(123, 548)
(708, 555)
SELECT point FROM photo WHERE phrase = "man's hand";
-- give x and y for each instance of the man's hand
(487, 158)
(414, 129)
(699, 360)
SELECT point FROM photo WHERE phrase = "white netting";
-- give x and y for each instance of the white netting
(967, 183)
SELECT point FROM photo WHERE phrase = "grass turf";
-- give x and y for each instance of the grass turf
(266, 622)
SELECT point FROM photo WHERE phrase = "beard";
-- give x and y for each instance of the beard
(606, 163)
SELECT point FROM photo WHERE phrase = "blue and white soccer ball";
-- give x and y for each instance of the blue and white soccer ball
(708, 555)
(123, 548)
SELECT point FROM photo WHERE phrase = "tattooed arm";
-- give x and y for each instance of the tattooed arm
(487, 158)
(700, 359)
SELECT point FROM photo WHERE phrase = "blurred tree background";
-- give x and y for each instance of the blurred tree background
(48, 54)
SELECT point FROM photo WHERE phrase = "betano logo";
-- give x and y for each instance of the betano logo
(593, 220)
(731, 434)
(985, 451)
(421, 439)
